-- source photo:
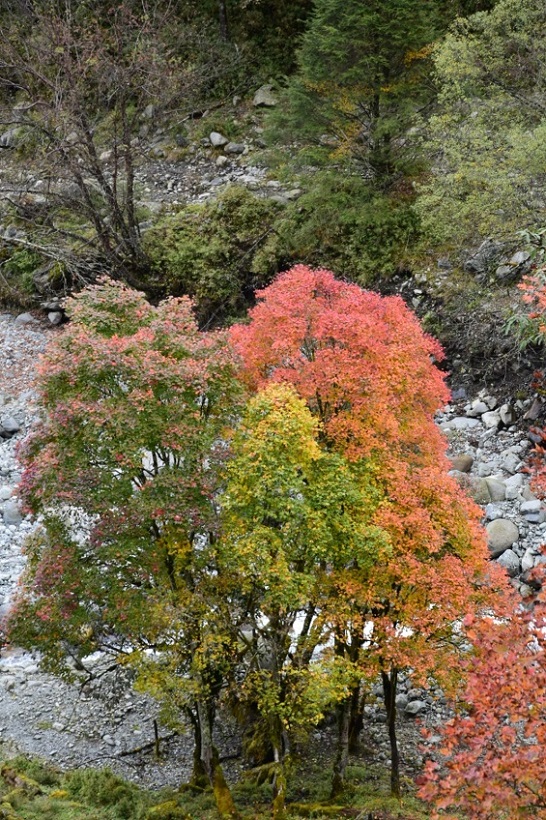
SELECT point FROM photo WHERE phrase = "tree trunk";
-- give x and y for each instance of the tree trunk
(342, 753)
(223, 19)
(211, 764)
(357, 720)
(199, 779)
(390, 681)
(279, 784)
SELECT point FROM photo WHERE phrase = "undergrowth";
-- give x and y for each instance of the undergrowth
(32, 790)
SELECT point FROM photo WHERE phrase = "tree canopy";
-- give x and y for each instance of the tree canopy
(276, 551)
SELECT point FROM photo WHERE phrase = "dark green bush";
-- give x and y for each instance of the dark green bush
(16, 275)
(209, 252)
(345, 224)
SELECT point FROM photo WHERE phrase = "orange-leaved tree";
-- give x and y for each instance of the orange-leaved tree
(488, 761)
(365, 368)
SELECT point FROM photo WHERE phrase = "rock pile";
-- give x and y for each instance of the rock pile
(489, 450)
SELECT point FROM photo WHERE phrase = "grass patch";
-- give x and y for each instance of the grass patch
(32, 790)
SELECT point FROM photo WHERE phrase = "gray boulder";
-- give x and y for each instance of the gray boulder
(476, 408)
(12, 513)
(235, 148)
(514, 486)
(501, 534)
(24, 319)
(9, 426)
(217, 139)
(497, 489)
(264, 97)
(475, 487)
(491, 419)
(415, 707)
(510, 561)
(484, 258)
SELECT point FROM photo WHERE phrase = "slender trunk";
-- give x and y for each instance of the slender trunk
(223, 19)
(357, 720)
(279, 784)
(390, 681)
(211, 764)
(342, 753)
(198, 779)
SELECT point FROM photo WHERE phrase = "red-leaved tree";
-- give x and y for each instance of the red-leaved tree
(365, 368)
(489, 760)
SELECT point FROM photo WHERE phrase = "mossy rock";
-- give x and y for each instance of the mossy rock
(169, 810)
(7, 812)
(20, 781)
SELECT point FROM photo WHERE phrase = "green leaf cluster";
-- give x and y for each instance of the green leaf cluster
(344, 222)
(215, 252)
(488, 135)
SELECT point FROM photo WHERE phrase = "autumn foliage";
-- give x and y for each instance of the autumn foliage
(534, 295)
(278, 551)
(364, 367)
(489, 759)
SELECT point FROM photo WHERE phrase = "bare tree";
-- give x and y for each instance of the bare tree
(79, 82)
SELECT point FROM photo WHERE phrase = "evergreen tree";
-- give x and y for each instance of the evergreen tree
(361, 69)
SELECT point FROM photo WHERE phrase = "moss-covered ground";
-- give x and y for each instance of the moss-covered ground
(33, 790)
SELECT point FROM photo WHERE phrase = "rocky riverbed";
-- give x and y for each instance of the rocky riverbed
(102, 721)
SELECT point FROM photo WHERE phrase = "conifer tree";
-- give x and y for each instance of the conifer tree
(360, 76)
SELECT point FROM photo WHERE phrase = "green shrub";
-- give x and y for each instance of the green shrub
(37, 770)
(209, 252)
(16, 275)
(101, 787)
(344, 224)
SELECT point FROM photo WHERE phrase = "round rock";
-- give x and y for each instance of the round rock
(462, 463)
(501, 534)
(510, 561)
(217, 139)
(415, 707)
(12, 514)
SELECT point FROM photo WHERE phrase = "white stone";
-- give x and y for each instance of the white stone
(528, 560)
(532, 506)
(264, 97)
(476, 408)
(217, 139)
(491, 419)
(507, 415)
(462, 423)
